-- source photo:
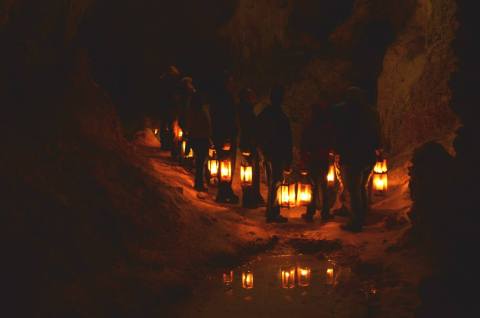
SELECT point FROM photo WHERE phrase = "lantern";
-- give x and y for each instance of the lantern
(304, 190)
(184, 150)
(303, 276)
(228, 278)
(380, 176)
(155, 131)
(247, 280)
(246, 171)
(331, 173)
(286, 195)
(213, 163)
(288, 277)
(226, 170)
(177, 131)
(330, 273)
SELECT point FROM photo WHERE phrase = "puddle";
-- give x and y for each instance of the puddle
(282, 286)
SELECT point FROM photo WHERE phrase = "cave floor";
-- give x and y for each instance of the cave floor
(374, 279)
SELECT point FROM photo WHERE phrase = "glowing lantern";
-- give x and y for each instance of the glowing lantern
(226, 170)
(155, 131)
(228, 278)
(380, 176)
(213, 163)
(247, 280)
(288, 278)
(246, 171)
(286, 195)
(303, 276)
(331, 174)
(177, 131)
(330, 279)
(304, 190)
(184, 150)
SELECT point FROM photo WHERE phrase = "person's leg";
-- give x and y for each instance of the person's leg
(276, 178)
(328, 195)
(353, 183)
(270, 198)
(232, 197)
(312, 206)
(365, 180)
(200, 148)
(256, 178)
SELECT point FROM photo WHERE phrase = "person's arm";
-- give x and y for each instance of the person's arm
(289, 143)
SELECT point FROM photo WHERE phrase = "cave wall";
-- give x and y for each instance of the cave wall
(414, 96)
(399, 51)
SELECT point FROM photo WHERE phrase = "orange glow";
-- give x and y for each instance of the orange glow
(331, 175)
(246, 175)
(211, 153)
(247, 280)
(288, 278)
(380, 176)
(228, 278)
(213, 167)
(177, 131)
(155, 131)
(226, 170)
(304, 195)
(286, 195)
(330, 276)
(304, 275)
(227, 147)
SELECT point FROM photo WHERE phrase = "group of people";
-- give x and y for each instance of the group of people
(350, 129)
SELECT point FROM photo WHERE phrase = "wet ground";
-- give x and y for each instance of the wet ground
(283, 285)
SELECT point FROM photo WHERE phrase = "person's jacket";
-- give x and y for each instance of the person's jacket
(224, 118)
(248, 127)
(358, 134)
(198, 123)
(318, 138)
(275, 135)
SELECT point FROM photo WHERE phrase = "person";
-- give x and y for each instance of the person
(275, 142)
(224, 132)
(358, 138)
(317, 144)
(248, 144)
(197, 123)
(169, 90)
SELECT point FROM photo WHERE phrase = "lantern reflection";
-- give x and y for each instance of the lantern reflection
(303, 276)
(247, 280)
(330, 273)
(288, 277)
(228, 278)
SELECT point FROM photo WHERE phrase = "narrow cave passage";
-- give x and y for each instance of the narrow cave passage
(264, 158)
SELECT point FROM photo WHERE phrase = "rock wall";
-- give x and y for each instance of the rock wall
(414, 96)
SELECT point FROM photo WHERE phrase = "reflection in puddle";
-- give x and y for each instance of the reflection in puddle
(282, 286)
(247, 280)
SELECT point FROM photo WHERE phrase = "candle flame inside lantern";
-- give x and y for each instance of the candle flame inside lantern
(247, 280)
(155, 131)
(288, 278)
(226, 170)
(286, 195)
(380, 176)
(331, 175)
(246, 175)
(213, 167)
(228, 278)
(304, 275)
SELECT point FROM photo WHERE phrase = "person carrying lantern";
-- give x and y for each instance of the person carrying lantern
(224, 133)
(275, 142)
(358, 139)
(248, 144)
(197, 123)
(317, 144)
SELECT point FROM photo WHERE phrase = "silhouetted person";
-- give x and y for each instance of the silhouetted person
(248, 144)
(224, 131)
(275, 142)
(358, 138)
(169, 91)
(318, 141)
(197, 123)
